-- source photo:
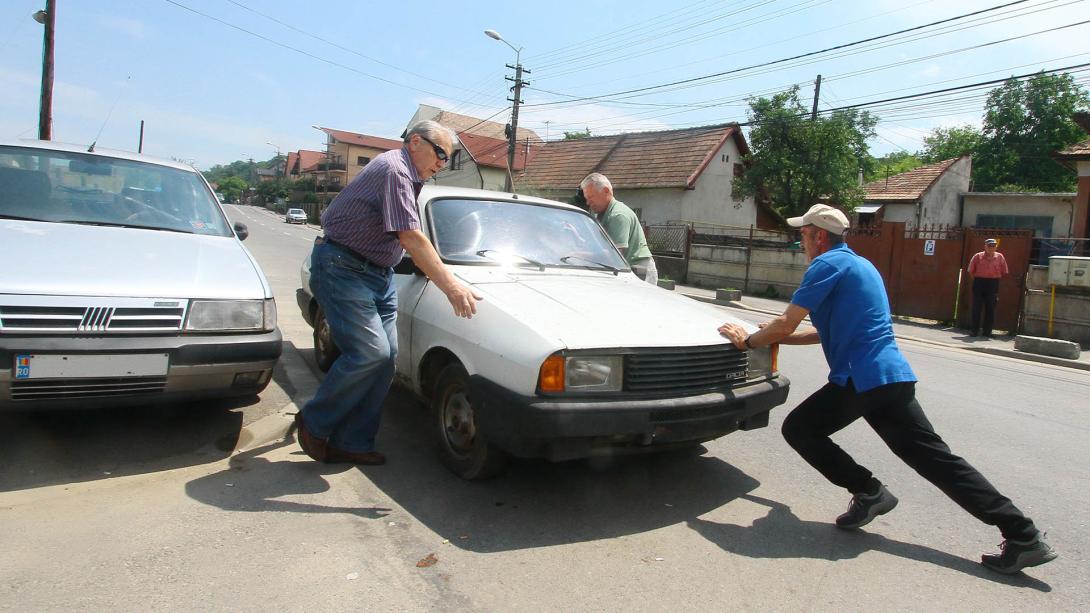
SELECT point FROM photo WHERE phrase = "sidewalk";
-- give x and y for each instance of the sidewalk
(922, 331)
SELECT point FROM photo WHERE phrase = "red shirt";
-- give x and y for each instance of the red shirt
(984, 267)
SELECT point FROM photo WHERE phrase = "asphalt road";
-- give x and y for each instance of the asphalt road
(745, 525)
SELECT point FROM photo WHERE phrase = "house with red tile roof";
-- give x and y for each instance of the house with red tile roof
(1077, 157)
(302, 161)
(924, 196)
(346, 154)
(664, 176)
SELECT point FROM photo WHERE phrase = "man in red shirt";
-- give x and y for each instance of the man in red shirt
(986, 268)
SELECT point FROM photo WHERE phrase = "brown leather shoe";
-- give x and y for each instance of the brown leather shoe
(313, 446)
(366, 458)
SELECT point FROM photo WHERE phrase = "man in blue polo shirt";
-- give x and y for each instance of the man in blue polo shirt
(868, 377)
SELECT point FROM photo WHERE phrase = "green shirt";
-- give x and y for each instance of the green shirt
(625, 230)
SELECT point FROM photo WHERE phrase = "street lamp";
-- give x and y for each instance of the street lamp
(47, 18)
(512, 128)
(277, 147)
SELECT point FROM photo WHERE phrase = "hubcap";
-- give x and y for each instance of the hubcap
(458, 421)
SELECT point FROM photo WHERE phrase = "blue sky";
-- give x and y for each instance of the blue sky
(216, 80)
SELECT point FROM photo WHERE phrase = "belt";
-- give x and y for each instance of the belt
(350, 251)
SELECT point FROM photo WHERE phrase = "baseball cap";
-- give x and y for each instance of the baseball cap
(824, 217)
(990, 241)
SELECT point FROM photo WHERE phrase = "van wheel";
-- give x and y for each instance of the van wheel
(325, 350)
(462, 448)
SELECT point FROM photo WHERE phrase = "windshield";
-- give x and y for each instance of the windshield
(520, 234)
(64, 187)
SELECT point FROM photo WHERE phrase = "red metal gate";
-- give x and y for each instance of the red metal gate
(923, 269)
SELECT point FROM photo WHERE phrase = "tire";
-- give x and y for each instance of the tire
(325, 350)
(462, 448)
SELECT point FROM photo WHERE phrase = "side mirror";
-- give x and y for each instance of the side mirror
(241, 231)
(407, 267)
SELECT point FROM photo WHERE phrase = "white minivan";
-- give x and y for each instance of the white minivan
(570, 354)
(124, 283)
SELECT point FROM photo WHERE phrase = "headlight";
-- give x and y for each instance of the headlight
(582, 373)
(762, 362)
(224, 315)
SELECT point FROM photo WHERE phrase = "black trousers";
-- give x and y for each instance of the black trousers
(893, 412)
(985, 295)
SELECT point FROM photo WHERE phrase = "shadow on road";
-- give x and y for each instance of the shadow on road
(253, 483)
(781, 534)
(53, 447)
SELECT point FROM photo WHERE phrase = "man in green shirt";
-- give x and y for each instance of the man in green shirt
(621, 224)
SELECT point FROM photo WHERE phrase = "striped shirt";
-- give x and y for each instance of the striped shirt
(984, 267)
(380, 202)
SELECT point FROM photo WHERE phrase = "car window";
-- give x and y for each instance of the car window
(492, 232)
(66, 187)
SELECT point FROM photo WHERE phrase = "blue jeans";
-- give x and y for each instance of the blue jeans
(360, 305)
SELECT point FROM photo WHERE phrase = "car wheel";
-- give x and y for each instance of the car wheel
(463, 449)
(325, 350)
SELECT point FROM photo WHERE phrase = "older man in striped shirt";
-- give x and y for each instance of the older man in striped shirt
(368, 227)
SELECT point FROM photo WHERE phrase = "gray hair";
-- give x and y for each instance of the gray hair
(834, 239)
(596, 179)
(431, 130)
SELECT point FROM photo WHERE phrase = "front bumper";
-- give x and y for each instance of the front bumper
(561, 429)
(207, 366)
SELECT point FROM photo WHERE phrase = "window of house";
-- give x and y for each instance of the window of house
(1041, 226)
(362, 160)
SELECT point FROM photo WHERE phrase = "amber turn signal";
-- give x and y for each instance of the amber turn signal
(551, 377)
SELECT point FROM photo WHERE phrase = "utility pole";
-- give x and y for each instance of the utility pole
(48, 18)
(817, 92)
(512, 128)
(140, 145)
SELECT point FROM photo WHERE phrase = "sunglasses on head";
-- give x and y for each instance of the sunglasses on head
(439, 152)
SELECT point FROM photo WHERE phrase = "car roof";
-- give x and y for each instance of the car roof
(431, 192)
(49, 145)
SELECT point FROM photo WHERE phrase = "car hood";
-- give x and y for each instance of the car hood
(600, 310)
(82, 260)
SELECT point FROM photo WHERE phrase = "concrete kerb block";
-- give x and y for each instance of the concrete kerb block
(1047, 346)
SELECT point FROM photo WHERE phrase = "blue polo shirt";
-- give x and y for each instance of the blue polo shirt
(848, 306)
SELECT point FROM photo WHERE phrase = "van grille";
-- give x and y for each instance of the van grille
(20, 319)
(685, 369)
(75, 389)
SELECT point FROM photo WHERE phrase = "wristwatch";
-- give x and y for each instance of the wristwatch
(746, 343)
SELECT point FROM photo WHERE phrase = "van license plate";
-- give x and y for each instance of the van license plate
(85, 366)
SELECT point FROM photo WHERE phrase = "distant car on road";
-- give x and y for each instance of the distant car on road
(295, 216)
(570, 354)
(125, 284)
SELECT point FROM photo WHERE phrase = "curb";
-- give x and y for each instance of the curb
(278, 426)
(1007, 353)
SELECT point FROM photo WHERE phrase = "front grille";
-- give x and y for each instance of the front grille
(684, 369)
(31, 319)
(76, 389)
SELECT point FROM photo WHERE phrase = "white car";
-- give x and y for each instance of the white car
(295, 216)
(570, 354)
(125, 283)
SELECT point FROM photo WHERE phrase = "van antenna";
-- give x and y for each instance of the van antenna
(91, 149)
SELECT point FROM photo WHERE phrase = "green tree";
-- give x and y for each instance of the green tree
(585, 133)
(1024, 122)
(798, 161)
(893, 164)
(945, 143)
(232, 188)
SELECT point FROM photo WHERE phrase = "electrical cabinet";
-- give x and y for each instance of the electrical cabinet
(1069, 271)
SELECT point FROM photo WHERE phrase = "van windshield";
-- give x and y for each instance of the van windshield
(85, 188)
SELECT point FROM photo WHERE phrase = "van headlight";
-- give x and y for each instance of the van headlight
(231, 315)
(762, 362)
(581, 373)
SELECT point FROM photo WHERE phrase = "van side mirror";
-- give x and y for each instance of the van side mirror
(407, 267)
(241, 231)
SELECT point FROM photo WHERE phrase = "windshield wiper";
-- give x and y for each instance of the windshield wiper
(484, 254)
(84, 222)
(20, 218)
(600, 265)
